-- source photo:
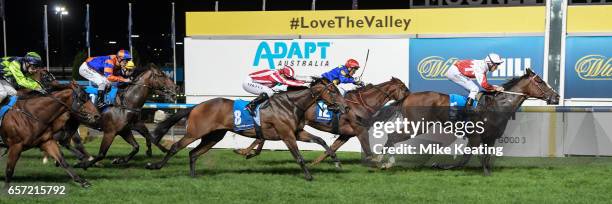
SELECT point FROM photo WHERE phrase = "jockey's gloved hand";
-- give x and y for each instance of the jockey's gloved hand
(359, 83)
(498, 88)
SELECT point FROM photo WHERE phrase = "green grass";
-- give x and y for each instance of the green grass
(274, 177)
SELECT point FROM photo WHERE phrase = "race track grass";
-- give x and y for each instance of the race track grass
(274, 177)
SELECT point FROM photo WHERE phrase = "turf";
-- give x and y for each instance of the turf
(274, 177)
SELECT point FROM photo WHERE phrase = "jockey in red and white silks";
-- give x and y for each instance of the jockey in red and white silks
(270, 81)
(265, 83)
(463, 71)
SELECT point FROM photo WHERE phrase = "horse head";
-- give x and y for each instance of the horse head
(81, 106)
(328, 91)
(151, 76)
(533, 86)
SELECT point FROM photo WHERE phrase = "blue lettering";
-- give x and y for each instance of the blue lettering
(323, 46)
(263, 51)
(294, 51)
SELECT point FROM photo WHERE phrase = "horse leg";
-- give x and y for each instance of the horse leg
(53, 150)
(335, 146)
(14, 152)
(247, 151)
(179, 145)
(78, 145)
(472, 142)
(364, 140)
(292, 145)
(144, 131)
(307, 137)
(485, 160)
(129, 138)
(65, 142)
(258, 150)
(203, 147)
(107, 140)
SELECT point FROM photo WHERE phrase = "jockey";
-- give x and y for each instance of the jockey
(343, 75)
(265, 83)
(14, 68)
(103, 70)
(464, 70)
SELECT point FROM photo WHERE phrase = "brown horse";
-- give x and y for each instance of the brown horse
(47, 81)
(123, 117)
(494, 108)
(33, 120)
(280, 120)
(363, 102)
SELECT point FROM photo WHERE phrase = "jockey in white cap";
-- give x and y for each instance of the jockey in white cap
(463, 71)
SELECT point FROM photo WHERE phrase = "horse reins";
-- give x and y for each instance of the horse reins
(362, 101)
(72, 109)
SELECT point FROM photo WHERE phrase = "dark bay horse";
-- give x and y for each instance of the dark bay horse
(282, 119)
(123, 117)
(33, 120)
(495, 108)
(363, 102)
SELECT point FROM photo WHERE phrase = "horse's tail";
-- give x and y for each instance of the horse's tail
(163, 127)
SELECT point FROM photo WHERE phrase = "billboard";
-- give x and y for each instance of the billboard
(588, 65)
(430, 59)
(218, 67)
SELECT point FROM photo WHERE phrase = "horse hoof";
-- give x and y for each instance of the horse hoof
(118, 161)
(152, 166)
(149, 153)
(308, 178)
(238, 151)
(338, 165)
(435, 166)
(82, 165)
(85, 184)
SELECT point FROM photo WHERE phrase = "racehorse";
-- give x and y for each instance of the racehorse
(123, 117)
(494, 108)
(47, 81)
(280, 120)
(363, 102)
(32, 121)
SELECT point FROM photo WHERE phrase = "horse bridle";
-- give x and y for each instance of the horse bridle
(314, 96)
(74, 108)
(163, 89)
(545, 94)
(368, 107)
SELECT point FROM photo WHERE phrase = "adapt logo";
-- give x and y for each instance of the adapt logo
(435, 68)
(300, 54)
(594, 67)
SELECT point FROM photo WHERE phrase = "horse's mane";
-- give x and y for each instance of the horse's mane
(34, 94)
(139, 70)
(512, 82)
(367, 86)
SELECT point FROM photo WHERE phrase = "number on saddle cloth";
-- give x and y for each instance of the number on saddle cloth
(11, 102)
(242, 118)
(322, 113)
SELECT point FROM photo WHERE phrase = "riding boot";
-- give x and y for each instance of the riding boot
(469, 103)
(255, 102)
(100, 99)
(468, 109)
